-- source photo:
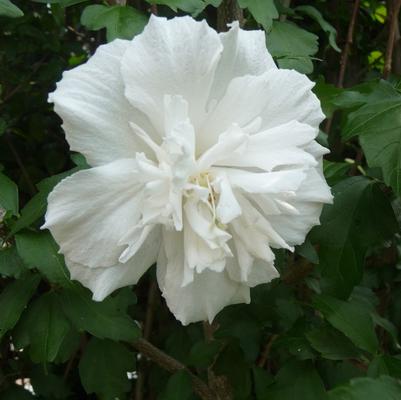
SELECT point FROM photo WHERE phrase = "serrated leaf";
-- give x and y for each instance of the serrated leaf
(8, 9)
(318, 17)
(264, 11)
(39, 250)
(13, 300)
(360, 217)
(103, 368)
(378, 124)
(102, 319)
(352, 319)
(8, 194)
(292, 46)
(122, 22)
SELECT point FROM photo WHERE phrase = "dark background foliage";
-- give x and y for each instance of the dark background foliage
(327, 329)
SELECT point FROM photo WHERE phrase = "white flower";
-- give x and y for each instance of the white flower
(203, 159)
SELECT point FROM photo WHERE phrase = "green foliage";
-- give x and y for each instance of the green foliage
(264, 11)
(292, 46)
(8, 194)
(8, 9)
(327, 330)
(120, 22)
(103, 368)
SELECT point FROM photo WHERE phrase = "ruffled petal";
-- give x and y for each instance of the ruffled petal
(205, 296)
(244, 53)
(273, 98)
(308, 203)
(90, 100)
(103, 281)
(91, 211)
(174, 57)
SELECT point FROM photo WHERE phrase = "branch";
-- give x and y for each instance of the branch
(393, 10)
(228, 11)
(146, 335)
(348, 44)
(172, 365)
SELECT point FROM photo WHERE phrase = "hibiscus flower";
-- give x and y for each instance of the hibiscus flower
(203, 160)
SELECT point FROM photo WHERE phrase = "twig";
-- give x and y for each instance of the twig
(146, 334)
(32, 188)
(153, 9)
(394, 11)
(227, 12)
(220, 383)
(172, 365)
(348, 44)
(266, 351)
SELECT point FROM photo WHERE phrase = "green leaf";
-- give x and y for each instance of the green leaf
(13, 300)
(292, 46)
(8, 9)
(48, 384)
(102, 319)
(385, 365)
(331, 343)
(36, 207)
(46, 327)
(378, 124)
(361, 217)
(178, 387)
(203, 353)
(351, 318)
(11, 263)
(120, 22)
(103, 368)
(262, 380)
(193, 7)
(62, 3)
(264, 11)
(384, 388)
(296, 380)
(39, 250)
(8, 194)
(318, 17)
(335, 172)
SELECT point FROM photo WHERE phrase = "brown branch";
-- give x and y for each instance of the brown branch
(146, 334)
(153, 9)
(348, 44)
(266, 351)
(393, 13)
(227, 12)
(172, 365)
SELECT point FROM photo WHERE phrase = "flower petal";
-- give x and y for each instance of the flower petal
(202, 299)
(276, 97)
(90, 100)
(103, 281)
(174, 57)
(89, 212)
(244, 53)
(308, 202)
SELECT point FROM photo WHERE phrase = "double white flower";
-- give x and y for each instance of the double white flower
(203, 159)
